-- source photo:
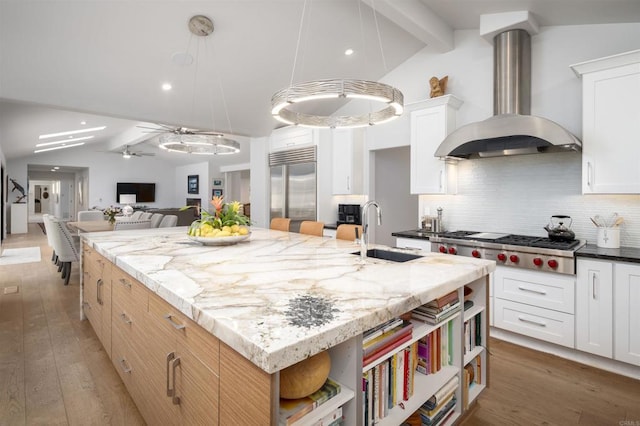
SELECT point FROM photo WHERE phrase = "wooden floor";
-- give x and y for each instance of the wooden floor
(53, 370)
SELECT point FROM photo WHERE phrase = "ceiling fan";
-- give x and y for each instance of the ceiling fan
(193, 141)
(127, 153)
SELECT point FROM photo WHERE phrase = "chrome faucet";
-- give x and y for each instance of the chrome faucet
(364, 239)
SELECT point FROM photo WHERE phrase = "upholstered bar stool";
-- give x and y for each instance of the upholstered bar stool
(310, 227)
(280, 223)
(348, 232)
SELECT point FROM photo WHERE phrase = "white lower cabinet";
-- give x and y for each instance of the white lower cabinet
(414, 243)
(535, 304)
(626, 320)
(607, 314)
(594, 307)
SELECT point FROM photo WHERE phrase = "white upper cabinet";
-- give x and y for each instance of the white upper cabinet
(611, 124)
(347, 148)
(429, 126)
(292, 137)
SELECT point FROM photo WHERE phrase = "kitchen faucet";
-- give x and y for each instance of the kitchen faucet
(364, 239)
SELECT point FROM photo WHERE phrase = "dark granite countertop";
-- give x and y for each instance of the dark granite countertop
(414, 233)
(622, 254)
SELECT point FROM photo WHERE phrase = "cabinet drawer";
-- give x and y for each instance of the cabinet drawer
(544, 324)
(202, 344)
(541, 289)
(128, 292)
(92, 260)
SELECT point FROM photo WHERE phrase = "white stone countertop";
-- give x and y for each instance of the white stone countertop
(280, 297)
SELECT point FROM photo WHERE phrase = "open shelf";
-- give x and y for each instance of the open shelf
(325, 409)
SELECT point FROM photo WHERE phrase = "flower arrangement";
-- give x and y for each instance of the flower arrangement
(225, 221)
(111, 213)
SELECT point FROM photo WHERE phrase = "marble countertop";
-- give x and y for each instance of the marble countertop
(622, 254)
(280, 297)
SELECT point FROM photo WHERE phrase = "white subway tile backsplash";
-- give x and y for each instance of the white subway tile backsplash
(519, 194)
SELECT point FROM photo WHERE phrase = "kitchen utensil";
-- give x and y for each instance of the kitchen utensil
(618, 221)
(594, 222)
(600, 222)
(558, 231)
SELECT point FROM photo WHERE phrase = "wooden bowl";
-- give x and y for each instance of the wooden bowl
(306, 377)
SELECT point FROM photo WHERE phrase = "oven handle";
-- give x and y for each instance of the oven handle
(532, 290)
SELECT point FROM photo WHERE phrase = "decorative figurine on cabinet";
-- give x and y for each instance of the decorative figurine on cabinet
(438, 87)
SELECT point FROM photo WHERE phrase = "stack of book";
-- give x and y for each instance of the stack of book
(435, 350)
(473, 333)
(383, 339)
(439, 309)
(292, 410)
(388, 384)
(441, 404)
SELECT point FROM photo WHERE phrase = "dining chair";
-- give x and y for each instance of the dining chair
(87, 215)
(155, 219)
(123, 225)
(310, 227)
(280, 223)
(347, 231)
(145, 216)
(136, 215)
(46, 219)
(66, 247)
(168, 221)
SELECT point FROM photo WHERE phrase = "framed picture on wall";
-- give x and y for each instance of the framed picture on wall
(216, 193)
(217, 182)
(192, 184)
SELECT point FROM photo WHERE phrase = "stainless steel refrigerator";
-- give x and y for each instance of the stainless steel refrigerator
(293, 185)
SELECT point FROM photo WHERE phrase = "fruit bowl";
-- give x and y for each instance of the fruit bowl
(219, 241)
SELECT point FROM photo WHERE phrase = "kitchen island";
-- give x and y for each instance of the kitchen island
(272, 301)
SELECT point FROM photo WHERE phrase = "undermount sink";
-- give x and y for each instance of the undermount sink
(394, 256)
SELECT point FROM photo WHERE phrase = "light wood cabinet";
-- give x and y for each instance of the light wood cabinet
(347, 149)
(594, 307)
(429, 126)
(610, 124)
(97, 295)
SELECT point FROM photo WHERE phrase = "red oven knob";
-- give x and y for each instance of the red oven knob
(475, 253)
(442, 249)
(502, 257)
(452, 250)
(514, 258)
(553, 264)
(537, 261)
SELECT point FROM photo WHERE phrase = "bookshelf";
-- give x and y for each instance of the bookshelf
(477, 355)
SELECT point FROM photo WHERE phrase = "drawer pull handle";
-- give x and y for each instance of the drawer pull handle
(175, 325)
(125, 367)
(125, 282)
(532, 290)
(175, 399)
(170, 356)
(540, 323)
(99, 285)
(125, 318)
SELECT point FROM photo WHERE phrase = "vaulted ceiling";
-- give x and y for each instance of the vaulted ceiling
(104, 61)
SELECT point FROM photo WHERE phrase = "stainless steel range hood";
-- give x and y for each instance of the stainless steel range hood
(511, 130)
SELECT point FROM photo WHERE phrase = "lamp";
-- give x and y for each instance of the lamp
(312, 91)
(127, 199)
(190, 141)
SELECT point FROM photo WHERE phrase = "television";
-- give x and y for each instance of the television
(144, 192)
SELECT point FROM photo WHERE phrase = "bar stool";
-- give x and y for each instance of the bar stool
(347, 231)
(310, 227)
(280, 223)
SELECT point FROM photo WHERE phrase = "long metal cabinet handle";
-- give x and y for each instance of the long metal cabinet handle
(589, 172)
(170, 356)
(593, 286)
(540, 323)
(532, 290)
(175, 325)
(99, 284)
(441, 180)
(125, 367)
(348, 183)
(175, 399)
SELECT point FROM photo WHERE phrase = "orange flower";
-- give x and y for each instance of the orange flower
(217, 204)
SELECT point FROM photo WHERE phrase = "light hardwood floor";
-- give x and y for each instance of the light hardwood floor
(53, 370)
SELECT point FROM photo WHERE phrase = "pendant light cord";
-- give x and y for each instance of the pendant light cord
(375, 20)
(295, 57)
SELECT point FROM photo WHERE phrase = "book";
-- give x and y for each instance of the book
(387, 338)
(440, 395)
(383, 351)
(425, 311)
(441, 301)
(331, 418)
(292, 410)
(371, 334)
(429, 319)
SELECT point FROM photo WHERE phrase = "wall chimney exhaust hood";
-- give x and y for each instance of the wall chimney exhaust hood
(511, 130)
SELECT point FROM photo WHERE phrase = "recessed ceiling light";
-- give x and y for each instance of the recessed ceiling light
(58, 147)
(348, 52)
(53, 170)
(166, 86)
(71, 132)
(65, 141)
(56, 167)
(83, 122)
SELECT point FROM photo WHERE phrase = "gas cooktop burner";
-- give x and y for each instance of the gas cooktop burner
(512, 239)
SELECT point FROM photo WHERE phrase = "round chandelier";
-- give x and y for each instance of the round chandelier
(391, 99)
(199, 144)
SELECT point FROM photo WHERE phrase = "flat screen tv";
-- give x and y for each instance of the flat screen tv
(145, 192)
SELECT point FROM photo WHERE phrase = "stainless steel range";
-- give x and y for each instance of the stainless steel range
(519, 251)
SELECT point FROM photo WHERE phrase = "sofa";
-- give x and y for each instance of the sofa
(185, 217)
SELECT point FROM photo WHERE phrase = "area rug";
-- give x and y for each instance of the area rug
(20, 255)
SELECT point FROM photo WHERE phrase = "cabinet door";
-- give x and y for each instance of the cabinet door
(291, 137)
(594, 307)
(90, 300)
(611, 125)
(347, 161)
(627, 314)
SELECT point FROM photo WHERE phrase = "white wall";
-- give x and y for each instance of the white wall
(181, 194)
(260, 182)
(518, 194)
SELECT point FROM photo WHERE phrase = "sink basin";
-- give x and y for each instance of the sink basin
(394, 256)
